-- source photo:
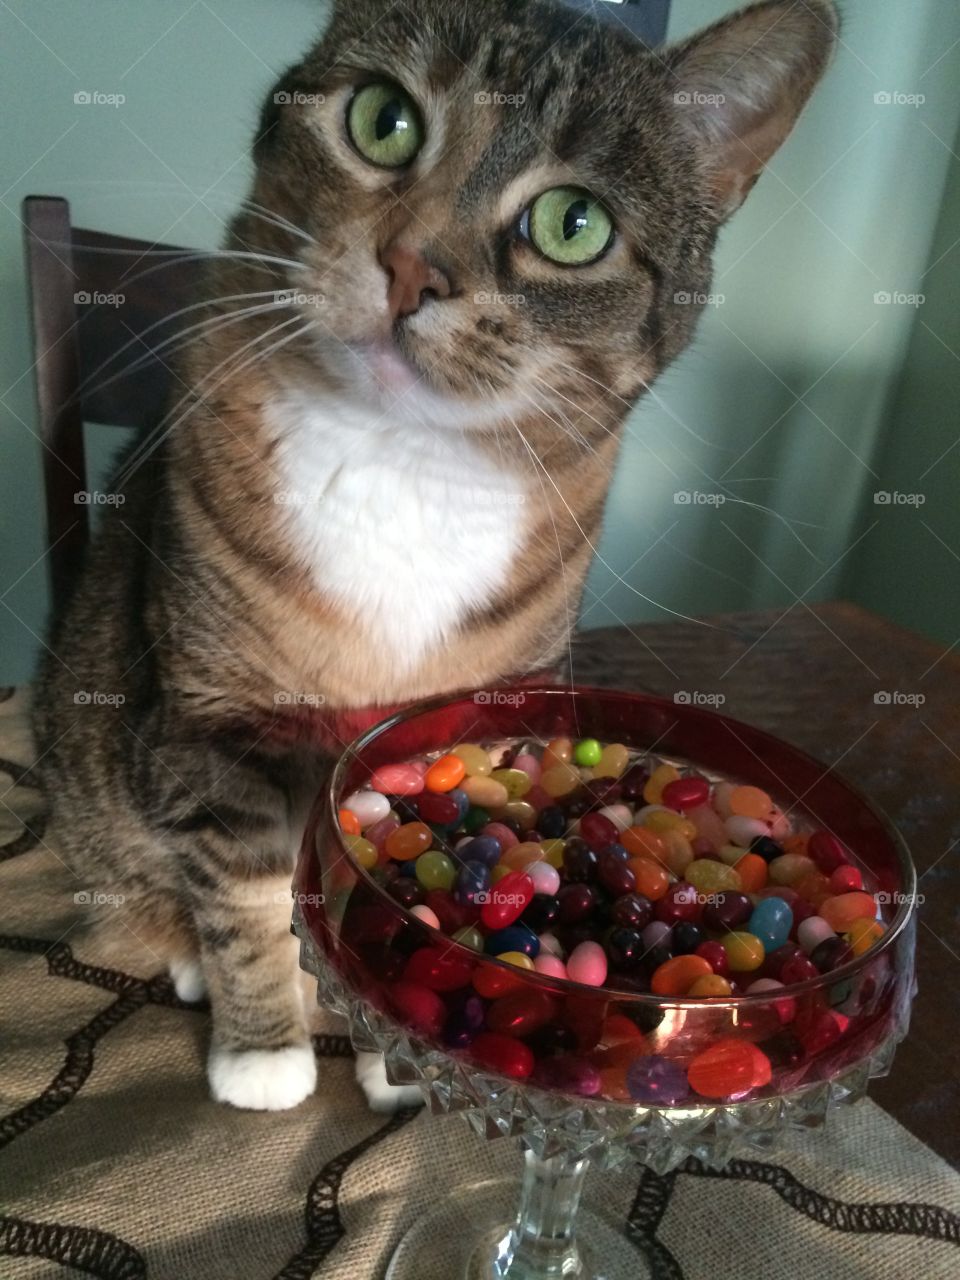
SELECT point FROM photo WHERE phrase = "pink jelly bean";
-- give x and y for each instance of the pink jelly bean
(546, 878)
(425, 915)
(529, 764)
(539, 798)
(377, 834)
(709, 826)
(587, 963)
(397, 780)
(549, 965)
(786, 1008)
(506, 837)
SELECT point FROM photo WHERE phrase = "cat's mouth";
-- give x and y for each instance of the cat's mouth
(394, 372)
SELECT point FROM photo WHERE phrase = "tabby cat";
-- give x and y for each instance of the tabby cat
(476, 233)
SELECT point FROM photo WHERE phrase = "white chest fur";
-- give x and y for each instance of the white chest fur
(408, 525)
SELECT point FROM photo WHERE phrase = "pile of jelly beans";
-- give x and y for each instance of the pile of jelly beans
(590, 862)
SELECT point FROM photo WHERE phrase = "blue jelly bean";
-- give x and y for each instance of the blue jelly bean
(657, 1081)
(485, 849)
(771, 922)
(516, 937)
(463, 803)
(409, 868)
(472, 878)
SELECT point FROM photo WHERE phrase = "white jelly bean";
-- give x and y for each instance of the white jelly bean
(546, 878)
(812, 931)
(368, 807)
(549, 943)
(425, 915)
(619, 815)
(742, 830)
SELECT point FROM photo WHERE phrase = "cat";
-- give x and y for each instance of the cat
(476, 234)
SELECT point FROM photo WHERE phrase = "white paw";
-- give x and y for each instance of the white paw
(381, 1095)
(188, 980)
(262, 1079)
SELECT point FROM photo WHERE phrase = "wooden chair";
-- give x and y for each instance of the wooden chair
(75, 277)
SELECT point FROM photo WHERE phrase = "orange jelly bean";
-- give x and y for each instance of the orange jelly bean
(795, 844)
(675, 977)
(409, 841)
(710, 984)
(652, 879)
(445, 773)
(557, 751)
(843, 910)
(522, 854)
(752, 870)
(815, 888)
(750, 802)
(349, 822)
(641, 842)
(729, 1067)
(492, 983)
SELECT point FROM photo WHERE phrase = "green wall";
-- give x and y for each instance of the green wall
(793, 397)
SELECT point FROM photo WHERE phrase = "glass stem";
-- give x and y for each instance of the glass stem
(545, 1233)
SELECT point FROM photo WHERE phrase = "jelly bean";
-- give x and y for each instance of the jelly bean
(485, 849)
(561, 780)
(409, 841)
(643, 843)
(744, 951)
(597, 831)
(493, 981)
(767, 848)
(515, 937)
(710, 984)
(831, 953)
(657, 1081)
(795, 843)
(743, 830)
(521, 854)
(813, 931)
(686, 938)
(557, 751)
(521, 1013)
(473, 878)
(501, 833)
(470, 937)
(678, 852)
(530, 765)
(397, 780)
(843, 910)
(798, 969)
(727, 910)
(552, 822)
(846, 880)
(771, 922)
(507, 902)
(862, 934)
(614, 874)
(619, 814)
(549, 965)
(579, 860)
(676, 976)
(569, 1075)
(587, 752)
(368, 806)
(362, 850)
(445, 773)
(541, 912)
(710, 877)
(656, 818)
(516, 782)
(708, 825)
(475, 818)
(349, 822)
(503, 1055)
(721, 798)
(680, 902)
(419, 1006)
(423, 913)
(377, 834)
(407, 892)
(439, 968)
(659, 778)
(752, 870)
(435, 870)
(651, 879)
(439, 809)
(656, 934)
(553, 851)
(587, 963)
(613, 761)
(519, 959)
(785, 1009)
(750, 802)
(632, 782)
(821, 1029)
(546, 879)
(728, 1068)
(790, 869)
(499, 872)
(576, 901)
(476, 761)
(686, 793)
(623, 946)
(730, 854)
(484, 791)
(826, 851)
(715, 956)
(632, 911)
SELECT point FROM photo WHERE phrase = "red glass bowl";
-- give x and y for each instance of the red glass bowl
(563, 1036)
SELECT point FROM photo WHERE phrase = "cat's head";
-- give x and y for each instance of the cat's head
(503, 204)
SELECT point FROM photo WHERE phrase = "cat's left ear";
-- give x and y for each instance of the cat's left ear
(740, 85)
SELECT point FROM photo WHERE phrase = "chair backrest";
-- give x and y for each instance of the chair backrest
(91, 295)
(647, 19)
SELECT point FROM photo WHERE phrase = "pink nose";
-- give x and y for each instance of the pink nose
(410, 277)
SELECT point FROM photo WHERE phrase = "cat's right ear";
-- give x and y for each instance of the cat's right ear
(739, 86)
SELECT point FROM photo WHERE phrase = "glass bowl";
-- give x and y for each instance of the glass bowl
(593, 1074)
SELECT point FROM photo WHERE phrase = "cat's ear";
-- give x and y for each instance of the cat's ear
(740, 85)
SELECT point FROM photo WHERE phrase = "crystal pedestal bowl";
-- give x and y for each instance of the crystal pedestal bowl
(563, 1078)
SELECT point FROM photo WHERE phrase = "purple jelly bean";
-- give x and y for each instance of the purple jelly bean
(657, 1081)
(569, 1075)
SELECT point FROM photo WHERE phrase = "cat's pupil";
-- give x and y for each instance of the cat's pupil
(389, 119)
(575, 219)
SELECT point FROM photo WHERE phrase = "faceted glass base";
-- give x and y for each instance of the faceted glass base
(470, 1236)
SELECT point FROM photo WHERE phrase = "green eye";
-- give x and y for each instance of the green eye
(385, 125)
(569, 226)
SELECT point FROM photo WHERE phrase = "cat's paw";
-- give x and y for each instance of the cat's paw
(262, 1079)
(380, 1093)
(188, 980)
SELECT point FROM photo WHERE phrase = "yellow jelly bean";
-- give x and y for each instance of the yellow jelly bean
(485, 792)
(516, 958)
(561, 780)
(708, 876)
(520, 811)
(663, 774)
(364, 852)
(476, 761)
(516, 781)
(679, 852)
(862, 934)
(613, 760)
(553, 852)
(499, 871)
(790, 868)
(710, 984)
(730, 854)
(660, 820)
(744, 951)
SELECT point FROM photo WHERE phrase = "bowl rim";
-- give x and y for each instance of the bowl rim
(327, 802)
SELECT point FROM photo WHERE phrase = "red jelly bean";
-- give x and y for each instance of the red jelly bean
(798, 969)
(845, 880)
(820, 1029)
(503, 1054)
(439, 969)
(453, 915)
(727, 1068)
(521, 1013)
(716, 957)
(419, 1006)
(680, 902)
(502, 833)
(507, 900)
(826, 851)
(598, 831)
(436, 807)
(685, 793)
